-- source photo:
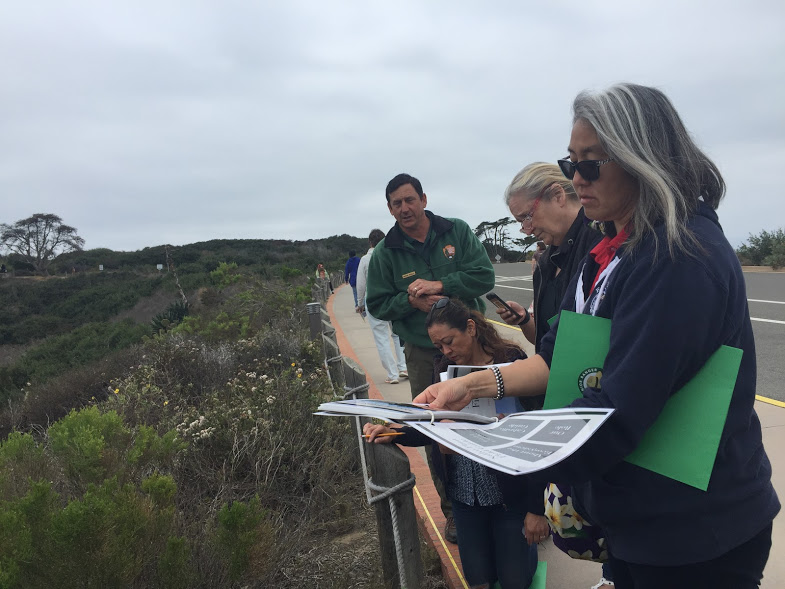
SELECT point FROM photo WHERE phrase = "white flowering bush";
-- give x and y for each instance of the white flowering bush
(243, 408)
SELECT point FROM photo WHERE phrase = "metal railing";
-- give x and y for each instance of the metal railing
(388, 478)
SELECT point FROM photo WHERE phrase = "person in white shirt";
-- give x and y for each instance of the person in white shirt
(394, 364)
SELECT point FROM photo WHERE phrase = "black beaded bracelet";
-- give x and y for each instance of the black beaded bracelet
(499, 382)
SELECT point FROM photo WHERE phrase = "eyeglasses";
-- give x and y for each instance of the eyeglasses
(527, 218)
(588, 169)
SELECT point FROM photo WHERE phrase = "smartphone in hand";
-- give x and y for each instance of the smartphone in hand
(496, 300)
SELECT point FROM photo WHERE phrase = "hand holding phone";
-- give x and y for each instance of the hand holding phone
(496, 300)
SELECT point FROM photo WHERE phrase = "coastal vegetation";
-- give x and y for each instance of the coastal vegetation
(152, 441)
(767, 248)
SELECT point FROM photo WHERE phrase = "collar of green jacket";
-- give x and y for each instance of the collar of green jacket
(395, 237)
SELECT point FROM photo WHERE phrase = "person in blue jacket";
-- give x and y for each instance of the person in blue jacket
(350, 273)
(672, 286)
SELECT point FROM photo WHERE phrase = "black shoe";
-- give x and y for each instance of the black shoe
(450, 533)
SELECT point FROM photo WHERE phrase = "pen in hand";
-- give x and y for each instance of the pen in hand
(385, 435)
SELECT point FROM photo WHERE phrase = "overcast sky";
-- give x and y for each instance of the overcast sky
(142, 123)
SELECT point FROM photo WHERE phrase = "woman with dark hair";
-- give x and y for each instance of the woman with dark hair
(671, 284)
(489, 507)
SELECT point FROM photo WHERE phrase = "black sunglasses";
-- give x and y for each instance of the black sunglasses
(440, 304)
(588, 169)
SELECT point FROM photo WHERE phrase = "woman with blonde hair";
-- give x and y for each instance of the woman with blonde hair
(547, 206)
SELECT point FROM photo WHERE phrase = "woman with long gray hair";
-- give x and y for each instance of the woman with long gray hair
(669, 281)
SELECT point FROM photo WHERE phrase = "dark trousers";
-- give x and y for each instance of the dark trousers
(419, 365)
(493, 547)
(740, 568)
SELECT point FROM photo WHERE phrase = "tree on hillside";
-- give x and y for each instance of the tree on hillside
(39, 239)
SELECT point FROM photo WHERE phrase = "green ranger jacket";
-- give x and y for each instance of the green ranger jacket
(456, 257)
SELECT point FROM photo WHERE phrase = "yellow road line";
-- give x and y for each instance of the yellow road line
(769, 401)
(504, 324)
(757, 397)
(436, 529)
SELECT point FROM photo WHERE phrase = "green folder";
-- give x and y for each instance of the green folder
(682, 444)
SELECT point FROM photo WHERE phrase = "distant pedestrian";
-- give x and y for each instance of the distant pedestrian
(392, 358)
(350, 273)
(323, 274)
(537, 254)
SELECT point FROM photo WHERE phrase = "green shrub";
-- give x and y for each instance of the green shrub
(43, 403)
(80, 346)
(174, 567)
(27, 329)
(223, 326)
(21, 459)
(93, 446)
(776, 259)
(766, 248)
(241, 529)
(101, 533)
(24, 524)
(232, 412)
(161, 489)
(286, 273)
(173, 314)
(37, 309)
(87, 443)
(104, 539)
(225, 275)
(149, 447)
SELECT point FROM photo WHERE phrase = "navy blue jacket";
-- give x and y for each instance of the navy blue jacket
(668, 316)
(549, 287)
(350, 270)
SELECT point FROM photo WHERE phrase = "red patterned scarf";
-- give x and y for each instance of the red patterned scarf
(605, 251)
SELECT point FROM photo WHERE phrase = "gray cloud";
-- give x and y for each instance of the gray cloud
(142, 123)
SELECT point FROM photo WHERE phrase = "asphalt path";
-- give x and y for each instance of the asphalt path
(765, 295)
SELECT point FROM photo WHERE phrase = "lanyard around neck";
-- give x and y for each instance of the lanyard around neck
(589, 307)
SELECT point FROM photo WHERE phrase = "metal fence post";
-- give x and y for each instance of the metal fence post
(314, 319)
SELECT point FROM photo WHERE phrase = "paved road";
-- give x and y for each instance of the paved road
(766, 296)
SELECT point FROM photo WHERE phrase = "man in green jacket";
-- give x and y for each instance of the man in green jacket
(423, 258)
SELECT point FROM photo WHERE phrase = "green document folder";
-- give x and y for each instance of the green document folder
(682, 444)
